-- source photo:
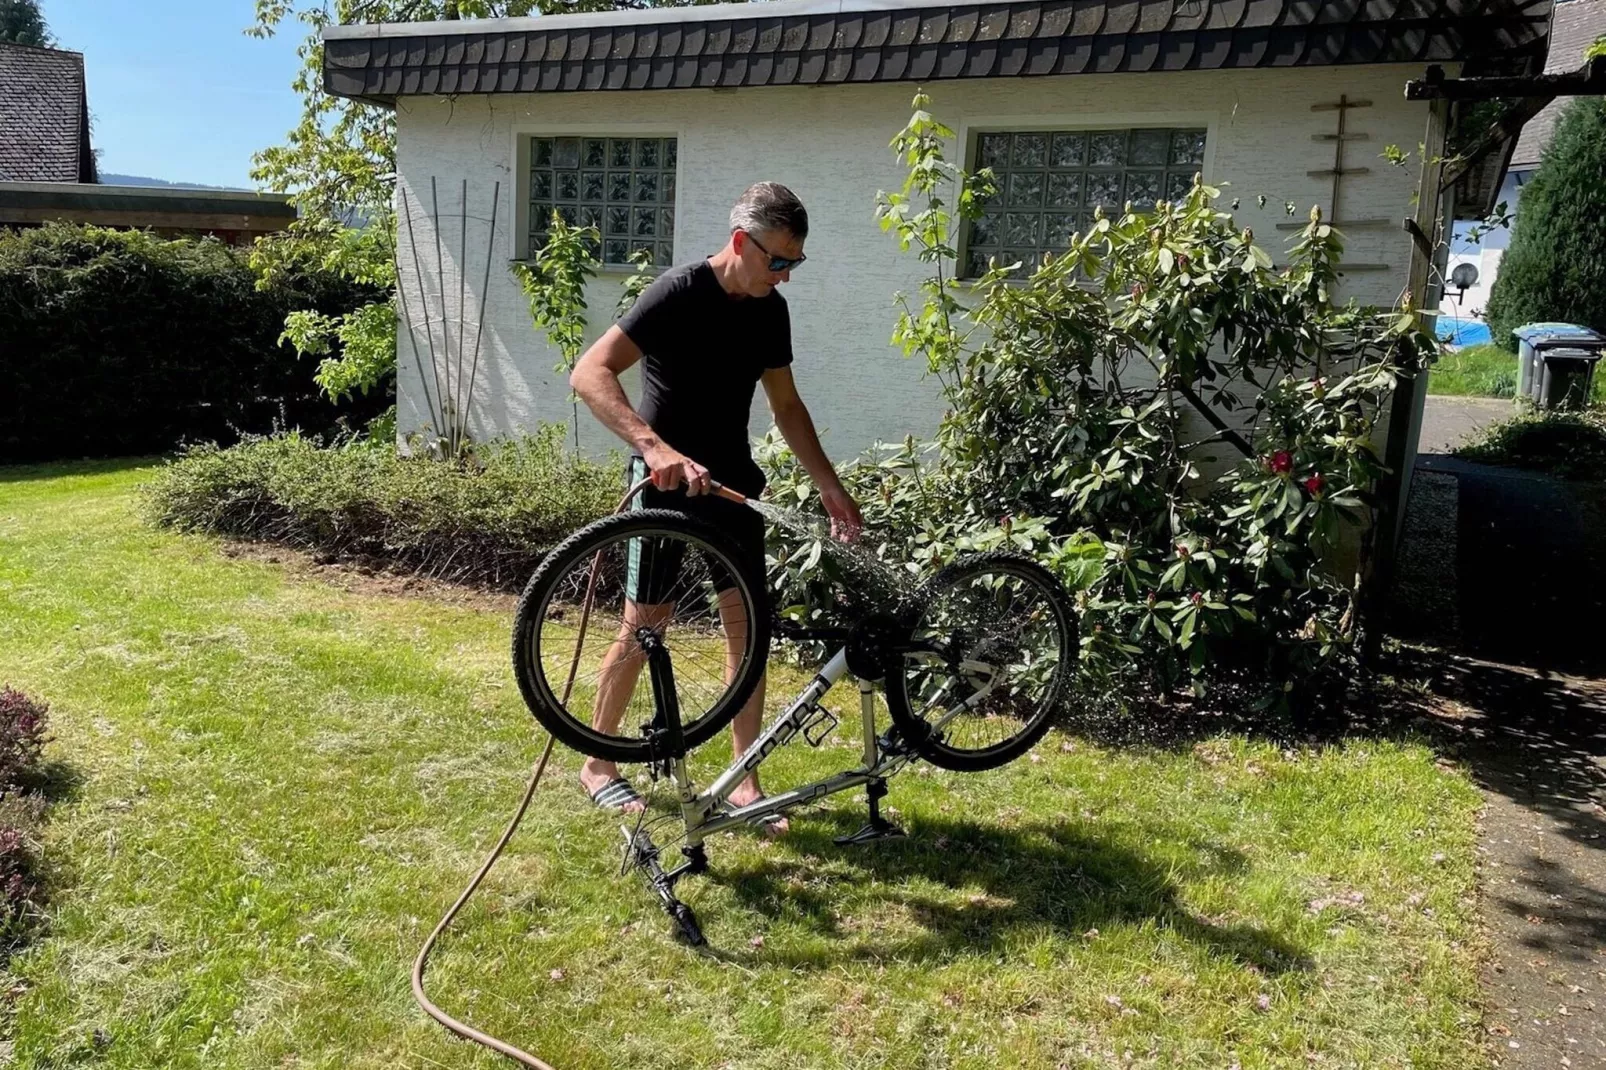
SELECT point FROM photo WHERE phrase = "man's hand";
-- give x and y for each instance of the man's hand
(846, 523)
(671, 469)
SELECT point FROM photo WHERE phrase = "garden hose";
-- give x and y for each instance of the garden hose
(468, 1032)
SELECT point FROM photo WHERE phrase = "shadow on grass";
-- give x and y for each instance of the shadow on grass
(58, 782)
(31, 472)
(1032, 876)
(1533, 737)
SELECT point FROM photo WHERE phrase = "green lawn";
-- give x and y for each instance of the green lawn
(1477, 371)
(1487, 371)
(281, 784)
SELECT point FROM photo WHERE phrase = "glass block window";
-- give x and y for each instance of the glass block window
(1050, 181)
(623, 186)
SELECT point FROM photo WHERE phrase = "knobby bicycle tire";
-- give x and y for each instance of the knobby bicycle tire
(527, 633)
(931, 746)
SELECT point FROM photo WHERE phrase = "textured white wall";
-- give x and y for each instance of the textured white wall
(830, 145)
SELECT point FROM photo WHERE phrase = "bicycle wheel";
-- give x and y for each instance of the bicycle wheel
(991, 653)
(584, 622)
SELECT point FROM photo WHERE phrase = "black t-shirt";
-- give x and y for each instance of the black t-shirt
(704, 352)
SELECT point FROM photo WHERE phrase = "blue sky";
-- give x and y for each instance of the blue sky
(176, 89)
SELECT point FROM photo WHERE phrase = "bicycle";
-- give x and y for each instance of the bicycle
(973, 664)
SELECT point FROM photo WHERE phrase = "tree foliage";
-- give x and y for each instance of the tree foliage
(22, 23)
(1555, 269)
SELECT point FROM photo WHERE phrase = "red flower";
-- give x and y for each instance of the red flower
(1137, 289)
(1281, 462)
(1197, 598)
(1315, 484)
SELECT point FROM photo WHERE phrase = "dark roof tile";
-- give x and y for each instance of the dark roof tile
(849, 29)
(905, 28)
(964, 23)
(1089, 18)
(971, 40)
(1155, 15)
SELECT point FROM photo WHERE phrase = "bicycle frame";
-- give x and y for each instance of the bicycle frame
(704, 813)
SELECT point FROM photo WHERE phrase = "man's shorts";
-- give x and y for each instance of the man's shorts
(655, 568)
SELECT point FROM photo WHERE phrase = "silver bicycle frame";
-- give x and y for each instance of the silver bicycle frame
(704, 812)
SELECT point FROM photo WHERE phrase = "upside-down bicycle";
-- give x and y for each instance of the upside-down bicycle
(973, 664)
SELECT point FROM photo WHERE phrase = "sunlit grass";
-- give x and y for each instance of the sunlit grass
(282, 784)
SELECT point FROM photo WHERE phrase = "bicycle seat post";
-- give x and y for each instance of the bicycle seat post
(878, 827)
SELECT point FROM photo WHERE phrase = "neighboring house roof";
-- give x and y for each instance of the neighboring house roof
(800, 42)
(1577, 25)
(44, 116)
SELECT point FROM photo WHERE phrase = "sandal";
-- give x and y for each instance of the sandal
(615, 795)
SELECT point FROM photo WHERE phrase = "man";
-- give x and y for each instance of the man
(709, 332)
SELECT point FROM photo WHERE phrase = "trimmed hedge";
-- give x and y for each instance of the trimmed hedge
(1571, 445)
(489, 523)
(115, 343)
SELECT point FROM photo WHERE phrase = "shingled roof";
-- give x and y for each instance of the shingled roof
(44, 116)
(1577, 25)
(798, 42)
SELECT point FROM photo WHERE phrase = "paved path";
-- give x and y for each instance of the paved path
(1507, 568)
(1449, 421)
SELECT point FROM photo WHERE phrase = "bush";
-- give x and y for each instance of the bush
(1571, 445)
(1081, 393)
(118, 343)
(22, 738)
(487, 522)
(1555, 269)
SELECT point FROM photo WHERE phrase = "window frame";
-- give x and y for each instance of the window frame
(969, 131)
(524, 135)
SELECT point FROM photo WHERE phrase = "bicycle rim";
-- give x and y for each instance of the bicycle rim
(997, 646)
(597, 602)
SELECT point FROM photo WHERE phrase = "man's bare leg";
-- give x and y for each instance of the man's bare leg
(616, 683)
(745, 728)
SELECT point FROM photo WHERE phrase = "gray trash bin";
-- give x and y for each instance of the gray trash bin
(1566, 375)
(1556, 363)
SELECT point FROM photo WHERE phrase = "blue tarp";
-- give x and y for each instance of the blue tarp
(1463, 332)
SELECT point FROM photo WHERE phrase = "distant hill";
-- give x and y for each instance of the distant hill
(140, 180)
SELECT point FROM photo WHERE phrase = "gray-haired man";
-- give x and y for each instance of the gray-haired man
(709, 332)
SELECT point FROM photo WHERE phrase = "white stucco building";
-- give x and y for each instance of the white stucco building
(649, 124)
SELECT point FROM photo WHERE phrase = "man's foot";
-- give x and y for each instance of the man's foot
(608, 790)
(748, 793)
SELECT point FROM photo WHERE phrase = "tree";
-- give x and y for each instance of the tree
(338, 165)
(21, 23)
(1555, 269)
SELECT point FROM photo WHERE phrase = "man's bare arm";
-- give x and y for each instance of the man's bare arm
(596, 379)
(797, 427)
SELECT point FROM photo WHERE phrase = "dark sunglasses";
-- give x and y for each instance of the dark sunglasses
(778, 264)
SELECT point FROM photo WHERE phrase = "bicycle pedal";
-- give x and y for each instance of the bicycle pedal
(813, 733)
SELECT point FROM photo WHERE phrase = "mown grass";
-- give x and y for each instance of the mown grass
(1485, 371)
(281, 784)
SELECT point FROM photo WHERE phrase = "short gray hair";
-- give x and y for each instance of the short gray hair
(770, 206)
